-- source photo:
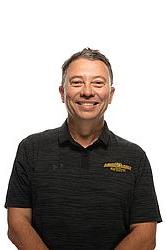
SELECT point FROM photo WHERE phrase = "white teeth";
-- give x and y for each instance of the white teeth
(87, 104)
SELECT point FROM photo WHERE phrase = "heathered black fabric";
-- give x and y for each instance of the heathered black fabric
(77, 203)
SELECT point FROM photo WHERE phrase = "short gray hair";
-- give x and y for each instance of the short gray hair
(90, 54)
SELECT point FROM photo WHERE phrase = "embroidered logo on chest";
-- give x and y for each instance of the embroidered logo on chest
(117, 167)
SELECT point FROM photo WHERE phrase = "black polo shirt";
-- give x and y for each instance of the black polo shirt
(82, 198)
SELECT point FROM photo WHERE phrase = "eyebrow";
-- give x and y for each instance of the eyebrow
(102, 77)
(76, 76)
(79, 76)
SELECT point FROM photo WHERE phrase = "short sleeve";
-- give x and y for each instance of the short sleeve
(144, 206)
(19, 188)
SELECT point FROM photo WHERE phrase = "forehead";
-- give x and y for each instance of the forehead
(83, 66)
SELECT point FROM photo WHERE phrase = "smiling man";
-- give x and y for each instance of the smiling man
(86, 91)
(80, 186)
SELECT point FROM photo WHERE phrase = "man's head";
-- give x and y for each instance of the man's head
(86, 85)
(89, 54)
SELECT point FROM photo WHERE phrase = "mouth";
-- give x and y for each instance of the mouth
(90, 104)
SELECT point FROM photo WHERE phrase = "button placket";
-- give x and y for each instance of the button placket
(84, 159)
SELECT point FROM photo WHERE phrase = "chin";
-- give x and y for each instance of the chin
(88, 117)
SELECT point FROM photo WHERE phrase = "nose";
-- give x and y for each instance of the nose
(87, 90)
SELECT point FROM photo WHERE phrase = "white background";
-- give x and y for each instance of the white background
(38, 36)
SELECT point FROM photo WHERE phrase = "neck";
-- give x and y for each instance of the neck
(85, 132)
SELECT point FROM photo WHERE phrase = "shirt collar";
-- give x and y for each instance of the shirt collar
(64, 134)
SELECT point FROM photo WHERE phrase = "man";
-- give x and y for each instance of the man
(81, 186)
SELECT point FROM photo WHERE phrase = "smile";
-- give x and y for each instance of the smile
(87, 103)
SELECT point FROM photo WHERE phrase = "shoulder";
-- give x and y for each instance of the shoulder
(35, 143)
(42, 136)
(125, 146)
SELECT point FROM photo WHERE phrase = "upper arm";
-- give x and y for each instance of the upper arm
(18, 215)
(19, 193)
(150, 226)
(146, 230)
(144, 206)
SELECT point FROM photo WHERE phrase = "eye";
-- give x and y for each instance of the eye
(98, 83)
(76, 83)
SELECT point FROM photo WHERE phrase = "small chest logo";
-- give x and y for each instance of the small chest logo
(117, 167)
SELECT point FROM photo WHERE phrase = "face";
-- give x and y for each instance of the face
(87, 90)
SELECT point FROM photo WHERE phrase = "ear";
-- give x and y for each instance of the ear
(111, 94)
(61, 91)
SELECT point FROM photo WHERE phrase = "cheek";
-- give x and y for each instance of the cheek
(104, 96)
(70, 94)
